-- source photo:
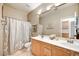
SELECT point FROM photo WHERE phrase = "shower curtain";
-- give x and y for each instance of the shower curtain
(17, 34)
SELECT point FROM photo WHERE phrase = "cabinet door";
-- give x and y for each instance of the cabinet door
(45, 49)
(58, 51)
(75, 53)
(62, 52)
(35, 47)
(53, 50)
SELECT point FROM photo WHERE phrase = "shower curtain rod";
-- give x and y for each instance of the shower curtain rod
(12, 18)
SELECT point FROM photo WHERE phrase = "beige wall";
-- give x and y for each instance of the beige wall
(13, 12)
(34, 17)
(1, 37)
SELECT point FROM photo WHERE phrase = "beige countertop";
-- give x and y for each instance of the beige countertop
(60, 42)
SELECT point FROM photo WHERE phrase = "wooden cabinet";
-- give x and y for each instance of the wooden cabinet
(36, 47)
(40, 48)
(53, 50)
(45, 49)
(75, 53)
(58, 51)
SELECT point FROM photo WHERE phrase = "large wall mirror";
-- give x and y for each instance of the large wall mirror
(62, 21)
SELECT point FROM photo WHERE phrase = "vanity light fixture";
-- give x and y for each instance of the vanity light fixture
(49, 7)
(57, 4)
(39, 12)
(53, 6)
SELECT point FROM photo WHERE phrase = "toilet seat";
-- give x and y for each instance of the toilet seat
(28, 44)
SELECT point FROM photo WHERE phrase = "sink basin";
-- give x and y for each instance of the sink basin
(43, 37)
(65, 44)
(46, 37)
(39, 36)
(71, 45)
(76, 42)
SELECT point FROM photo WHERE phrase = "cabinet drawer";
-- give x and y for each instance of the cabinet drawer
(59, 51)
(47, 45)
(45, 49)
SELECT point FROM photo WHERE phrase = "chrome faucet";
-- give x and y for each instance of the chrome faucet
(70, 41)
(42, 36)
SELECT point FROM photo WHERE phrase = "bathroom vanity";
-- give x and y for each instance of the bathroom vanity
(47, 47)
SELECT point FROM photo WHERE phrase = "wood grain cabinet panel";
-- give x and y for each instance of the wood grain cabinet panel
(75, 53)
(45, 49)
(53, 50)
(58, 51)
(36, 47)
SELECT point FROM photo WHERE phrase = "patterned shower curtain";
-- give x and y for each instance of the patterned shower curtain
(17, 33)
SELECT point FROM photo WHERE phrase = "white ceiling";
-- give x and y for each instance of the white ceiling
(24, 6)
(28, 7)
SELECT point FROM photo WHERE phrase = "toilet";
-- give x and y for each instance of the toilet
(28, 45)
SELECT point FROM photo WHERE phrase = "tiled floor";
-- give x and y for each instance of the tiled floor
(23, 52)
